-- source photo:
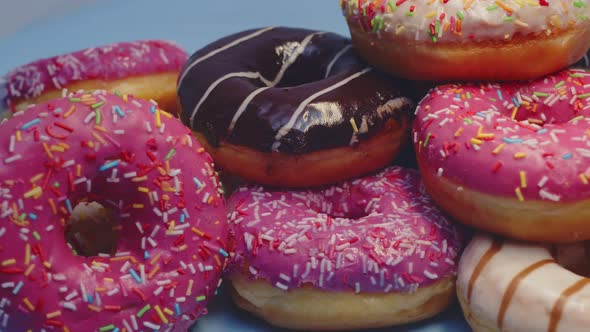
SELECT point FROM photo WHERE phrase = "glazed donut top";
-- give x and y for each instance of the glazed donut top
(284, 89)
(464, 20)
(381, 233)
(144, 165)
(528, 140)
(108, 62)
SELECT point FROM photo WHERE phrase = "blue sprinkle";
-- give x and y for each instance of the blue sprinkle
(30, 124)
(108, 165)
(182, 217)
(57, 111)
(542, 131)
(116, 329)
(481, 114)
(515, 101)
(119, 111)
(32, 216)
(153, 109)
(567, 155)
(135, 276)
(223, 252)
(68, 205)
(89, 298)
(146, 255)
(458, 95)
(197, 182)
(17, 288)
(177, 309)
(512, 140)
(500, 94)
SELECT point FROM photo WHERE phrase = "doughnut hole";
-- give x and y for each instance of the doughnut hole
(575, 257)
(92, 230)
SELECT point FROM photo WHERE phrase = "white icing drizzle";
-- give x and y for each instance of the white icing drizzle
(243, 106)
(289, 125)
(221, 49)
(335, 59)
(256, 75)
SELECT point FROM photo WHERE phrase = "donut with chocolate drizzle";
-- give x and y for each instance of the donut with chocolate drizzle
(292, 107)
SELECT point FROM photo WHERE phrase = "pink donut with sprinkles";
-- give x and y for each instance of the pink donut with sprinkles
(138, 162)
(366, 253)
(148, 69)
(514, 158)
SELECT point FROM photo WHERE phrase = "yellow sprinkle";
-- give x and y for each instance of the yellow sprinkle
(56, 148)
(504, 6)
(353, 124)
(431, 14)
(166, 114)
(138, 206)
(153, 272)
(35, 192)
(47, 265)
(125, 98)
(210, 200)
(70, 112)
(52, 205)
(99, 128)
(18, 136)
(29, 270)
(476, 141)
(37, 177)
(499, 148)
(99, 138)
(458, 132)
(217, 260)
(47, 151)
(161, 314)
(519, 194)
(79, 170)
(53, 314)
(111, 280)
(522, 179)
(94, 308)
(28, 304)
(183, 247)
(9, 262)
(143, 189)
(468, 4)
(139, 179)
(156, 258)
(514, 111)
(27, 254)
(519, 155)
(583, 178)
(197, 231)
(100, 289)
(168, 312)
(158, 119)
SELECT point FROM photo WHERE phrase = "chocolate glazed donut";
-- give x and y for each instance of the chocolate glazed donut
(292, 107)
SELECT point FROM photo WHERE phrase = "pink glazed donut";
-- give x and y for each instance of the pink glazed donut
(146, 69)
(512, 159)
(127, 155)
(366, 253)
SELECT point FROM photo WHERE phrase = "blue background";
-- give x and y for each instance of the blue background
(193, 24)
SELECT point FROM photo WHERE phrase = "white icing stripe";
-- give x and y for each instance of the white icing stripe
(287, 127)
(243, 106)
(252, 75)
(256, 75)
(336, 58)
(221, 49)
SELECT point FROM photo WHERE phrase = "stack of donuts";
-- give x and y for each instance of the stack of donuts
(333, 182)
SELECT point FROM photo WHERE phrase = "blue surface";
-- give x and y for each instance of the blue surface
(193, 24)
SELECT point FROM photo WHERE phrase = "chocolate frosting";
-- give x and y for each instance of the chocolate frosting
(288, 90)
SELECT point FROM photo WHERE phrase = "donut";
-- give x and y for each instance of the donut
(291, 107)
(143, 165)
(469, 39)
(511, 159)
(501, 281)
(365, 253)
(148, 69)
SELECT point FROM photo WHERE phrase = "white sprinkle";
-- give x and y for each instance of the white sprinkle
(151, 325)
(12, 158)
(281, 286)
(542, 182)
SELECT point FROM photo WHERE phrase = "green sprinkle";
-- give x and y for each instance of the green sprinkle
(541, 94)
(586, 95)
(579, 4)
(56, 184)
(560, 84)
(576, 75)
(460, 15)
(392, 5)
(107, 328)
(22, 216)
(410, 14)
(201, 298)
(170, 153)
(426, 140)
(468, 94)
(143, 310)
(97, 105)
(492, 7)
(467, 120)
(36, 236)
(508, 18)
(75, 100)
(97, 118)
(436, 27)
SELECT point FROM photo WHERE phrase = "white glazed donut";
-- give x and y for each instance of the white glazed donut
(513, 286)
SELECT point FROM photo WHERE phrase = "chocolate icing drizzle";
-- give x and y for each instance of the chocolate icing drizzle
(288, 90)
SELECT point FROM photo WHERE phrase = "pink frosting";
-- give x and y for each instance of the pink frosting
(381, 233)
(108, 62)
(526, 140)
(125, 154)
